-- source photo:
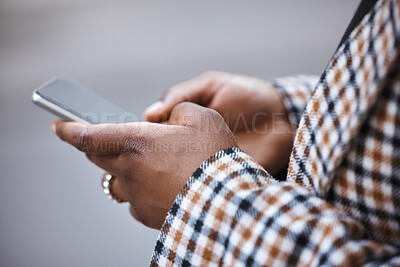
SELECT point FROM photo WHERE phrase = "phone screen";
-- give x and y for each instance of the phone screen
(69, 100)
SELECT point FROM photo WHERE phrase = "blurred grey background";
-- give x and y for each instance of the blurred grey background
(52, 209)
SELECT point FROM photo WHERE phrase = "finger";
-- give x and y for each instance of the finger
(199, 90)
(102, 138)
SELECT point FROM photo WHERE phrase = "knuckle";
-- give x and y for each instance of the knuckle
(213, 79)
(209, 78)
(83, 139)
(210, 74)
(176, 94)
(179, 110)
(179, 96)
(173, 91)
(183, 105)
(169, 91)
(135, 142)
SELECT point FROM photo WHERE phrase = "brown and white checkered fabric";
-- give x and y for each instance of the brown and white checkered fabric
(340, 205)
(295, 92)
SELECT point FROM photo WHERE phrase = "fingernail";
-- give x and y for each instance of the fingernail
(154, 107)
(53, 128)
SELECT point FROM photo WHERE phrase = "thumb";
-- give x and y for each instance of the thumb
(159, 111)
(155, 112)
(206, 124)
(190, 114)
(199, 90)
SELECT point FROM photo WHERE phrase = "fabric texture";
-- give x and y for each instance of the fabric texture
(295, 92)
(340, 205)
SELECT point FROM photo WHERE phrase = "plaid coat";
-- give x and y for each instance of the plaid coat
(340, 204)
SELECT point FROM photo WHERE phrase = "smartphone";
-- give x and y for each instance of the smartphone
(70, 101)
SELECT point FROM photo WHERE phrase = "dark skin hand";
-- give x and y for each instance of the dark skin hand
(151, 161)
(251, 107)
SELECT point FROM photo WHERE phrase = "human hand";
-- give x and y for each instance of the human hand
(151, 162)
(251, 107)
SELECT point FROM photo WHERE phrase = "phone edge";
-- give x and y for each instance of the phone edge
(54, 109)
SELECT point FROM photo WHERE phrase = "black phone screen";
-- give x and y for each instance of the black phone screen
(81, 102)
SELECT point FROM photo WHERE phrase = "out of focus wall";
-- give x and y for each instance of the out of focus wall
(52, 210)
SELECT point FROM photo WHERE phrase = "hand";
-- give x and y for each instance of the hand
(251, 108)
(151, 162)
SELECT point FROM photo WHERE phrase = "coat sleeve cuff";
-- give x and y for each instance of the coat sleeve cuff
(295, 92)
(219, 176)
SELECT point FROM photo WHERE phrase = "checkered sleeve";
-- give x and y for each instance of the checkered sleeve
(295, 92)
(232, 212)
